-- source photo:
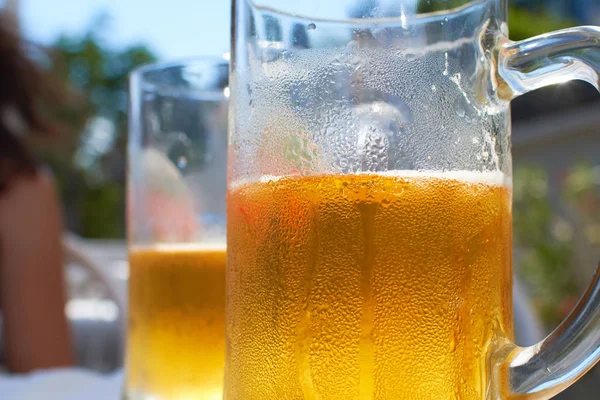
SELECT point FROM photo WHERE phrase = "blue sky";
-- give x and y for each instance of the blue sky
(172, 28)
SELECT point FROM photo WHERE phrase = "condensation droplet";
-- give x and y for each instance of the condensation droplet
(379, 127)
(456, 395)
(453, 344)
(311, 27)
(374, 147)
(352, 47)
(180, 151)
(446, 65)
(465, 109)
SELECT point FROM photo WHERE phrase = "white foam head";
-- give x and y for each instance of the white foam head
(494, 178)
(178, 247)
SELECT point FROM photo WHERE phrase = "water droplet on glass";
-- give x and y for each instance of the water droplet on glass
(180, 150)
(465, 109)
(300, 151)
(311, 27)
(380, 126)
(352, 47)
(350, 57)
(456, 395)
(446, 65)
(452, 344)
(373, 147)
(410, 56)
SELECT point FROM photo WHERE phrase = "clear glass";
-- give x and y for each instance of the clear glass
(369, 202)
(176, 230)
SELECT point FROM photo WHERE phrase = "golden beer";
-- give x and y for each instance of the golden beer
(367, 286)
(176, 343)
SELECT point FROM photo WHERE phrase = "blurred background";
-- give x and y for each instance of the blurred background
(92, 45)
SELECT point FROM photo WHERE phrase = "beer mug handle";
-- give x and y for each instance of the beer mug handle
(545, 369)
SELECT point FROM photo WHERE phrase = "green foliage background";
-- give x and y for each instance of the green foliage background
(91, 181)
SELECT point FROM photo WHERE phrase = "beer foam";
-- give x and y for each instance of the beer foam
(178, 247)
(493, 178)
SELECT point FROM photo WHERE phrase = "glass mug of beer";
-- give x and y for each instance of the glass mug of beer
(176, 228)
(369, 203)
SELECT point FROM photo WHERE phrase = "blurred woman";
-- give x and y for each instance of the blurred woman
(35, 333)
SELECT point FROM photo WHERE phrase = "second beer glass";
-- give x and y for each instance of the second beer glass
(176, 218)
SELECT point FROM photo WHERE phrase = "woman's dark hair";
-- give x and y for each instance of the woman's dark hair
(24, 87)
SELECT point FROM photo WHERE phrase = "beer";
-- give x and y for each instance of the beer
(367, 286)
(176, 343)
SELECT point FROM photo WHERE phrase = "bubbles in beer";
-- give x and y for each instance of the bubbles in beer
(367, 286)
(176, 347)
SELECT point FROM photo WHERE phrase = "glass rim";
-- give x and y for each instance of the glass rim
(401, 19)
(180, 63)
(139, 78)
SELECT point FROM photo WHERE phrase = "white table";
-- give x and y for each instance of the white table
(62, 384)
